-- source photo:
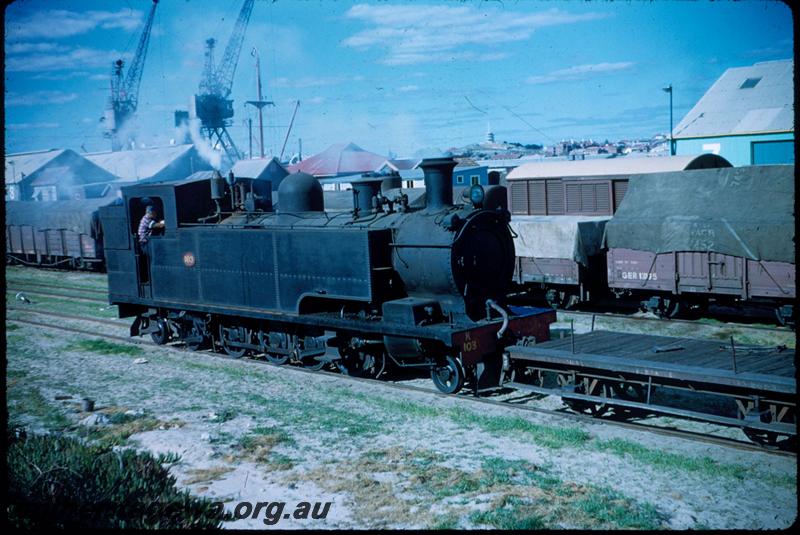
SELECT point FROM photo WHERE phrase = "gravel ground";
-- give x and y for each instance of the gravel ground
(384, 458)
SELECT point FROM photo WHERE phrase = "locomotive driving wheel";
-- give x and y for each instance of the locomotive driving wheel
(448, 376)
(361, 362)
(194, 334)
(162, 335)
(228, 336)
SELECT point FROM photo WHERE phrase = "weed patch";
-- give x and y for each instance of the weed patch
(543, 435)
(104, 347)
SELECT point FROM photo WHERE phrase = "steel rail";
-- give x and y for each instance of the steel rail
(726, 325)
(671, 432)
(11, 281)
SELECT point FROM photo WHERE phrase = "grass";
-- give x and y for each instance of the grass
(395, 486)
(705, 466)
(104, 347)
(118, 434)
(542, 435)
(258, 447)
(24, 400)
(206, 475)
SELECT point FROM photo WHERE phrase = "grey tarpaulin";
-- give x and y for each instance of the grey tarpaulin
(570, 237)
(72, 215)
(740, 211)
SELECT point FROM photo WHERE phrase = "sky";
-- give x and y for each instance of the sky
(391, 76)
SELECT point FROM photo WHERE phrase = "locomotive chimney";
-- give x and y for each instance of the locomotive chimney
(438, 182)
(364, 190)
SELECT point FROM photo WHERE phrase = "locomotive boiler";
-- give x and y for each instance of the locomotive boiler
(388, 283)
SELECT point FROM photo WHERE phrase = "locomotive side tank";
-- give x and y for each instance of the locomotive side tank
(419, 287)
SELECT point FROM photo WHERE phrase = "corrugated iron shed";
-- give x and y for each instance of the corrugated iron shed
(614, 166)
(339, 159)
(267, 169)
(160, 163)
(24, 164)
(753, 99)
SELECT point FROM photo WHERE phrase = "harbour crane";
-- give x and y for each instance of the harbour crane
(124, 97)
(212, 105)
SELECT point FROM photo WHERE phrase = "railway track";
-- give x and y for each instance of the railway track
(12, 282)
(563, 316)
(570, 314)
(515, 404)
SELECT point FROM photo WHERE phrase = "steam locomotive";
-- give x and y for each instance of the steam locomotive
(387, 282)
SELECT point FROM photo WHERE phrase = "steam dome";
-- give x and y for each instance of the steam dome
(300, 192)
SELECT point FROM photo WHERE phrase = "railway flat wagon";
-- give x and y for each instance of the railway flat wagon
(55, 233)
(559, 211)
(681, 240)
(753, 388)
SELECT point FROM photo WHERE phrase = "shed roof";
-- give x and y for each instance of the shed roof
(255, 168)
(340, 159)
(758, 98)
(140, 163)
(616, 166)
(26, 163)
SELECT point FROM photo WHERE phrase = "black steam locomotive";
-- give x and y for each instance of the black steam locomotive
(386, 282)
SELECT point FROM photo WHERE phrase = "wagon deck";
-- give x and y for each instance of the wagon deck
(603, 370)
(760, 368)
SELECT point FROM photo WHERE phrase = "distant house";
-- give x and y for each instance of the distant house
(51, 175)
(158, 164)
(747, 116)
(397, 165)
(270, 169)
(467, 176)
(339, 160)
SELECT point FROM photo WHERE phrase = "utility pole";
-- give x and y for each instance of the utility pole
(668, 89)
(288, 131)
(259, 103)
(250, 132)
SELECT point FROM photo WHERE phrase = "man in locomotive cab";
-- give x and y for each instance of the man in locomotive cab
(150, 225)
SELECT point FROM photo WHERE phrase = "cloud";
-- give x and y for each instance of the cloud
(408, 88)
(64, 76)
(60, 23)
(427, 34)
(75, 58)
(579, 72)
(311, 81)
(31, 126)
(36, 98)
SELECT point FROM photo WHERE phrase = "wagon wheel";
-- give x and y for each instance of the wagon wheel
(448, 376)
(670, 308)
(768, 439)
(560, 299)
(225, 341)
(361, 363)
(587, 407)
(629, 392)
(162, 335)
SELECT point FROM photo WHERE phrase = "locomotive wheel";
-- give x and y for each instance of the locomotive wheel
(277, 358)
(311, 363)
(448, 376)
(224, 340)
(162, 335)
(358, 363)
